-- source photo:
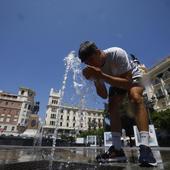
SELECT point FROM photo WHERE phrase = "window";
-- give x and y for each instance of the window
(168, 88)
(53, 109)
(7, 119)
(30, 93)
(60, 123)
(26, 121)
(74, 118)
(166, 75)
(22, 92)
(67, 117)
(73, 124)
(29, 107)
(67, 124)
(1, 119)
(53, 116)
(5, 127)
(160, 94)
(25, 106)
(13, 127)
(6, 103)
(61, 117)
(54, 102)
(155, 81)
(52, 122)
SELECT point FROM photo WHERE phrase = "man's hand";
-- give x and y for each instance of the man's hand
(91, 72)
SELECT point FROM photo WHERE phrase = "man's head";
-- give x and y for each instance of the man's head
(89, 53)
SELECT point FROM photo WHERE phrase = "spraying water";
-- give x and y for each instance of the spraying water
(38, 141)
(81, 86)
(68, 62)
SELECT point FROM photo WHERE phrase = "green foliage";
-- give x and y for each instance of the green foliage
(161, 120)
(97, 132)
(68, 138)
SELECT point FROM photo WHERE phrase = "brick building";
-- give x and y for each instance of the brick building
(15, 111)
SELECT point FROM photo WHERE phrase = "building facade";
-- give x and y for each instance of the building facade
(68, 120)
(10, 108)
(15, 111)
(159, 89)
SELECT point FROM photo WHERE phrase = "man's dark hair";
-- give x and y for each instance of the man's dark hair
(87, 49)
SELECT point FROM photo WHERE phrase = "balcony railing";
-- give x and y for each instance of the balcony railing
(160, 96)
(156, 81)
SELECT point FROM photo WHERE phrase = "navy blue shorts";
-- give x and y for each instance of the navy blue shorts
(115, 91)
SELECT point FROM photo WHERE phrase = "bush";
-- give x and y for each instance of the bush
(161, 120)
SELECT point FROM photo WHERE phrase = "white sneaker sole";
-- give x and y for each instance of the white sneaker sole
(146, 164)
(117, 159)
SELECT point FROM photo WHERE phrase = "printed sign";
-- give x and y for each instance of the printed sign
(107, 138)
(152, 136)
(91, 140)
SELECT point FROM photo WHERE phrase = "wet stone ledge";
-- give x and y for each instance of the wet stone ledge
(44, 165)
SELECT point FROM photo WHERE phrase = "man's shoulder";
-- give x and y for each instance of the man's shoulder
(113, 49)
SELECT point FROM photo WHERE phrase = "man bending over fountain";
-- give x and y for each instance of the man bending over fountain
(113, 66)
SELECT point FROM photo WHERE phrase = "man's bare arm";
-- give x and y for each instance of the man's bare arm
(123, 81)
(101, 89)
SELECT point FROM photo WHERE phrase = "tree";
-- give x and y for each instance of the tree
(99, 133)
(161, 120)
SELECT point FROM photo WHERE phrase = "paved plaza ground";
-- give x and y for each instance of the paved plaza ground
(77, 158)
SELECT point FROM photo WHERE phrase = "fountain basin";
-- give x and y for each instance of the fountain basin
(77, 158)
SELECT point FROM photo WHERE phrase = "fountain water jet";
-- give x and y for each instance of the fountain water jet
(81, 86)
(71, 62)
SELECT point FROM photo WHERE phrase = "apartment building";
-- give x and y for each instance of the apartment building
(159, 90)
(69, 120)
(15, 111)
(10, 108)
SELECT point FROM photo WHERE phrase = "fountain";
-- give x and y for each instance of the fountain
(66, 158)
(72, 63)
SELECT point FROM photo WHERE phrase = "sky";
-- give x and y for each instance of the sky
(36, 35)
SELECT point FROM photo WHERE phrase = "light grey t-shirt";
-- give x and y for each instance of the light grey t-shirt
(117, 62)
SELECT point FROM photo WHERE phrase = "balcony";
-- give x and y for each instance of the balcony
(160, 96)
(168, 91)
(156, 82)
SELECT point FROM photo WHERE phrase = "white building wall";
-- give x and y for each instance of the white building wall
(70, 118)
(27, 97)
(20, 114)
(160, 86)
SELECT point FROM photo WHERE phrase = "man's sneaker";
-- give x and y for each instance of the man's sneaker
(112, 155)
(146, 157)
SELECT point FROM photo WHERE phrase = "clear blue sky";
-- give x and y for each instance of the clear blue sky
(36, 35)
